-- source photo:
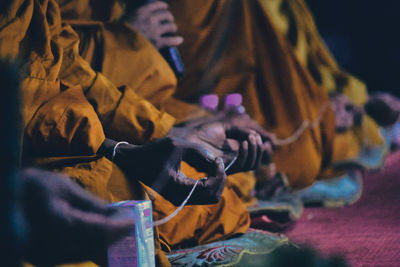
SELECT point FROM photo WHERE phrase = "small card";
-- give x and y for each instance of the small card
(136, 249)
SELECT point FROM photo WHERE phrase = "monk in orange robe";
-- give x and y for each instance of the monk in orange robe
(280, 99)
(273, 55)
(69, 109)
(126, 57)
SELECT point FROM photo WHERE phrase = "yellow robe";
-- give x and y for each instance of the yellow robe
(68, 109)
(294, 20)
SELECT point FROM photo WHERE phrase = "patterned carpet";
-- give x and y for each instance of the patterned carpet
(366, 233)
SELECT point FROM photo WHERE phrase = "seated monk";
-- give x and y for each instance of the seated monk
(281, 110)
(72, 115)
(273, 55)
(45, 218)
(126, 57)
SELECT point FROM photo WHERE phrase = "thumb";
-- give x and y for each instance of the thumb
(210, 189)
(199, 157)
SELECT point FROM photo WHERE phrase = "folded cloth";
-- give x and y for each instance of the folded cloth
(232, 252)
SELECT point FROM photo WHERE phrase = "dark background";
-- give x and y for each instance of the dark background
(363, 35)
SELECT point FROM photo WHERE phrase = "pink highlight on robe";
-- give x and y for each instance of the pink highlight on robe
(209, 102)
(233, 100)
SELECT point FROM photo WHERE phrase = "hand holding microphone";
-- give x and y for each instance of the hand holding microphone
(156, 23)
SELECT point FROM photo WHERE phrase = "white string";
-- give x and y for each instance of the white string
(115, 149)
(173, 214)
(278, 142)
(297, 134)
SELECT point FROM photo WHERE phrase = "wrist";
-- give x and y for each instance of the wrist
(107, 147)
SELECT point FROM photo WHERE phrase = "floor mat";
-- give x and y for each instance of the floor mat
(254, 245)
(366, 233)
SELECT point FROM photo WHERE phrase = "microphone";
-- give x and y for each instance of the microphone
(171, 55)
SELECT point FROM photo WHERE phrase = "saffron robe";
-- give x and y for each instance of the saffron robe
(69, 108)
(275, 58)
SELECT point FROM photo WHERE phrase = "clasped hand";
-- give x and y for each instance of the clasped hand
(158, 165)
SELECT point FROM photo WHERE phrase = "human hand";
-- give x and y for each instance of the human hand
(384, 108)
(227, 141)
(346, 113)
(243, 120)
(64, 223)
(158, 165)
(156, 23)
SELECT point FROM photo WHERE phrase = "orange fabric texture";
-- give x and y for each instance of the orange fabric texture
(258, 62)
(295, 21)
(128, 58)
(67, 107)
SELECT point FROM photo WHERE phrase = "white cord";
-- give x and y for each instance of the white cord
(173, 214)
(115, 149)
(306, 124)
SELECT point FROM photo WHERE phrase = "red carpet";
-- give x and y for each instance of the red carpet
(366, 233)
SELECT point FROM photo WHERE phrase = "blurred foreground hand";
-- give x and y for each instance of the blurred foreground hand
(156, 23)
(63, 223)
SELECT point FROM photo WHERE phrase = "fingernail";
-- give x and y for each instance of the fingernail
(210, 155)
(245, 144)
(220, 161)
(259, 140)
(252, 139)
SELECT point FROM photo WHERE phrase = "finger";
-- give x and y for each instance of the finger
(238, 133)
(267, 155)
(153, 7)
(178, 188)
(94, 229)
(68, 190)
(242, 157)
(81, 199)
(164, 17)
(210, 190)
(252, 153)
(167, 28)
(265, 136)
(199, 157)
(171, 41)
(260, 150)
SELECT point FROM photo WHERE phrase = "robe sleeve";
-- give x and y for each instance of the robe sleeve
(123, 114)
(68, 108)
(66, 125)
